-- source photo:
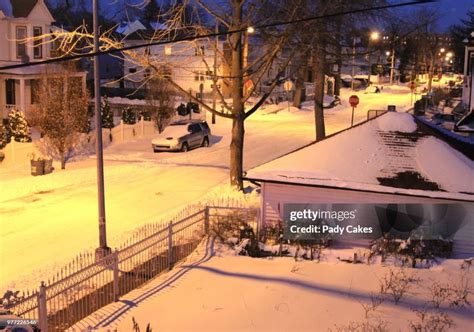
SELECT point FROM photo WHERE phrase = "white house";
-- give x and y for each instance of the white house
(190, 64)
(468, 88)
(389, 159)
(19, 20)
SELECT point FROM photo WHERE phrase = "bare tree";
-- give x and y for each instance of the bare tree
(160, 99)
(60, 112)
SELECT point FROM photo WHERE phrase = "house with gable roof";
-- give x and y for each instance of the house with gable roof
(20, 20)
(391, 159)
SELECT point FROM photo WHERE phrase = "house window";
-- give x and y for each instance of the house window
(168, 50)
(20, 41)
(10, 91)
(37, 48)
(166, 72)
(199, 50)
(132, 70)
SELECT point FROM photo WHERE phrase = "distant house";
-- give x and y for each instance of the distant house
(190, 64)
(468, 88)
(390, 159)
(21, 19)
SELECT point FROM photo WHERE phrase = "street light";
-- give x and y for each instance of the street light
(442, 50)
(374, 35)
(250, 30)
(449, 54)
(387, 53)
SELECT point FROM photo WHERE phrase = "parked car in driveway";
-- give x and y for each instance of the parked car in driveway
(182, 136)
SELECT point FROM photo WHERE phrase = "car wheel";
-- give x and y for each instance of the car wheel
(205, 142)
(184, 147)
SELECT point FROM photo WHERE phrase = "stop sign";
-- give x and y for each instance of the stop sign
(353, 100)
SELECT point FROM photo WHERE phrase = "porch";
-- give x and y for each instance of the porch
(16, 90)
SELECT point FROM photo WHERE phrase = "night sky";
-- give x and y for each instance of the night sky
(452, 11)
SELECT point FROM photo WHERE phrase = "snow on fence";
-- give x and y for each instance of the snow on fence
(86, 285)
(16, 152)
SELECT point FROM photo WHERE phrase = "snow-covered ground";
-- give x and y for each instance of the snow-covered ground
(46, 221)
(216, 290)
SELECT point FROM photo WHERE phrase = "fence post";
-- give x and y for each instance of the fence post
(121, 130)
(206, 220)
(115, 267)
(170, 245)
(142, 123)
(42, 308)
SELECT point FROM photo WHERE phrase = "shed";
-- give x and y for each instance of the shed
(390, 159)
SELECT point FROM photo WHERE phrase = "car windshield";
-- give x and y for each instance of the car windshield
(175, 131)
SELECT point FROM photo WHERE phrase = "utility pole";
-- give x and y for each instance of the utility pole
(353, 61)
(103, 250)
(392, 65)
(214, 89)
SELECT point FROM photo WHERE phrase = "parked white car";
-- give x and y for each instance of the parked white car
(182, 136)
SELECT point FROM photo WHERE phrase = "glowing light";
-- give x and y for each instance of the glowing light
(250, 29)
(374, 35)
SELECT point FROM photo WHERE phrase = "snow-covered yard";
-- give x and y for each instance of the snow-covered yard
(217, 290)
(48, 220)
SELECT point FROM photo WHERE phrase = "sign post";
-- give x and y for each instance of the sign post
(354, 101)
(288, 86)
(412, 89)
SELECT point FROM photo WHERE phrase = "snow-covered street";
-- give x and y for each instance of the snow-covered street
(48, 220)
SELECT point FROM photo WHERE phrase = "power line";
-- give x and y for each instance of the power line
(215, 34)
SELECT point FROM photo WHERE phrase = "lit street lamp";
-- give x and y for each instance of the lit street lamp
(374, 36)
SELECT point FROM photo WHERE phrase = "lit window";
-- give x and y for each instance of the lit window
(168, 50)
(20, 41)
(37, 48)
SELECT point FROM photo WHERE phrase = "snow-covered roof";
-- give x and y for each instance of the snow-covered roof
(389, 154)
(127, 28)
(17, 8)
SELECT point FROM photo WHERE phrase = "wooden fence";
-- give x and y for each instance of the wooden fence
(86, 285)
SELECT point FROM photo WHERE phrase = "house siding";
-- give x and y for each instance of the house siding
(274, 195)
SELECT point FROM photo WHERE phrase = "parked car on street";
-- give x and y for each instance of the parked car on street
(182, 136)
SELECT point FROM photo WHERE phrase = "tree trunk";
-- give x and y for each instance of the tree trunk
(431, 74)
(237, 143)
(300, 79)
(237, 153)
(318, 75)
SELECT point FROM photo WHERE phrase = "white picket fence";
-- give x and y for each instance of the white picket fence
(86, 284)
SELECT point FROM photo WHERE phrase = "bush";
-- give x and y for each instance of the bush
(128, 116)
(397, 283)
(5, 135)
(431, 321)
(18, 126)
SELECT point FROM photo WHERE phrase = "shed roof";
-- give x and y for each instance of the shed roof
(390, 154)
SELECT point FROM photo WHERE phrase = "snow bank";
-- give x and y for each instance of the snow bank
(454, 173)
(225, 292)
